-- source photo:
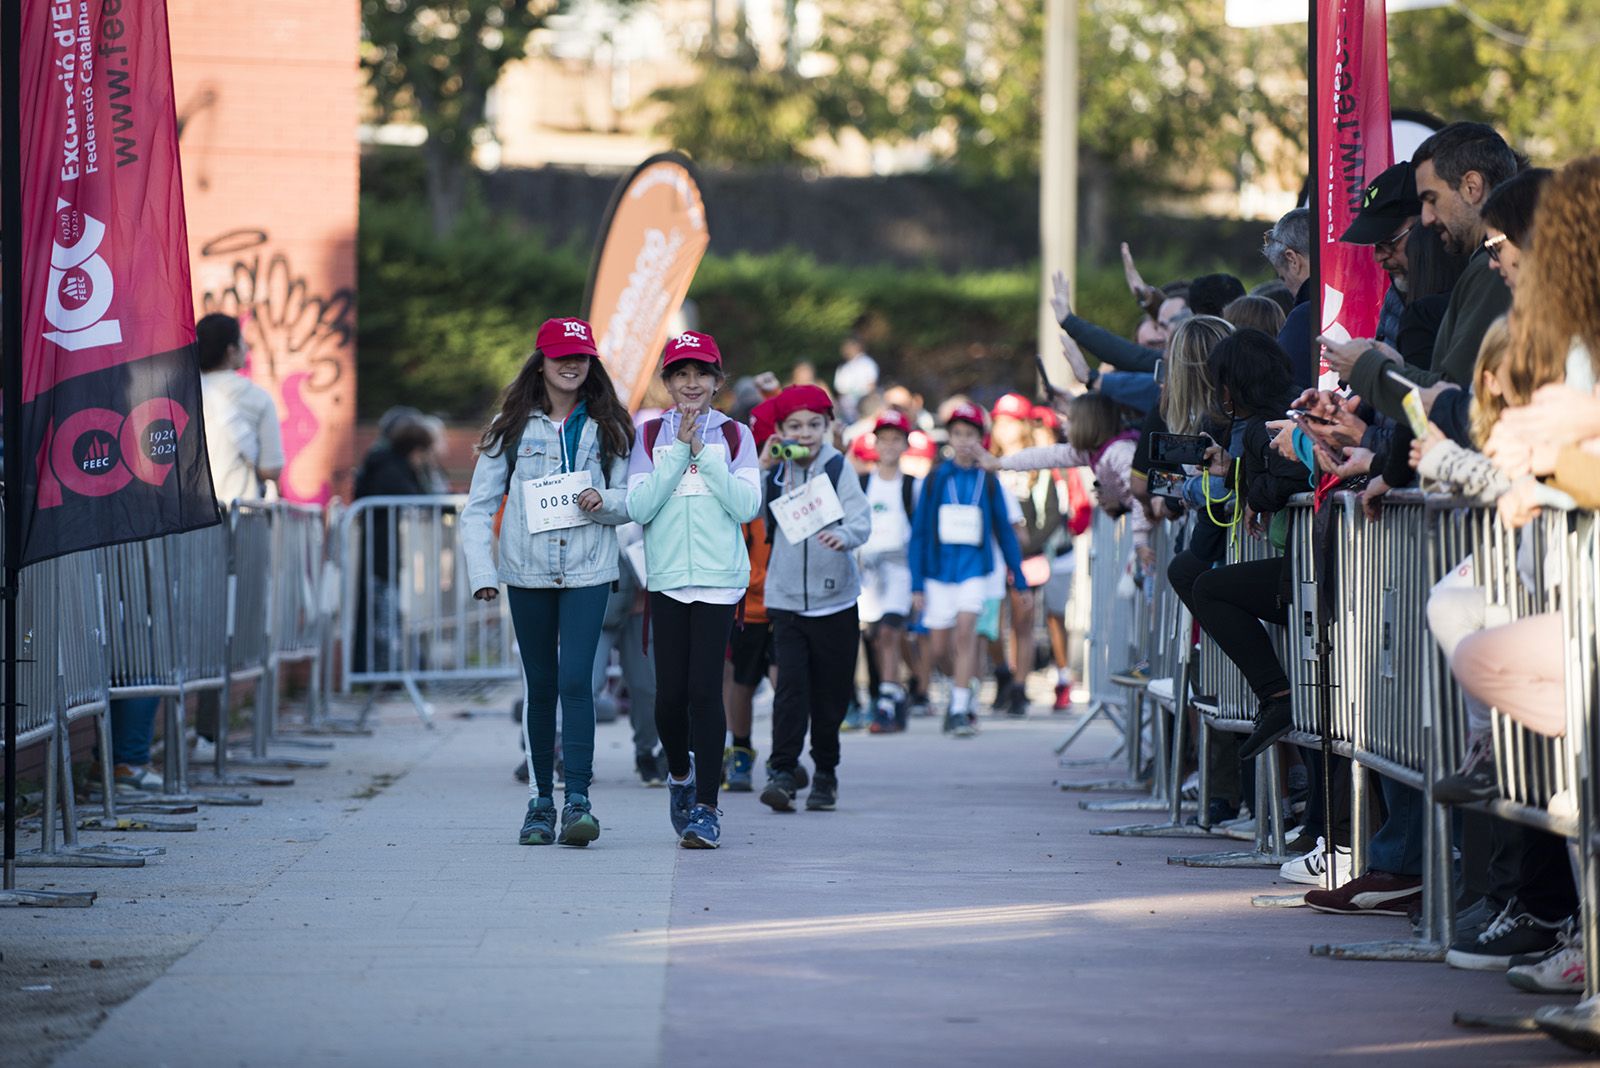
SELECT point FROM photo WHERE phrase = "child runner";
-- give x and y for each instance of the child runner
(885, 572)
(555, 453)
(1012, 431)
(750, 647)
(817, 516)
(1076, 514)
(960, 519)
(692, 481)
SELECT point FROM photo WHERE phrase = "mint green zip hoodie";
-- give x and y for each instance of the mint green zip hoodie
(694, 539)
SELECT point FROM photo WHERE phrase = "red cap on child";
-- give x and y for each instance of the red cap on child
(763, 424)
(566, 337)
(865, 449)
(921, 445)
(692, 345)
(967, 412)
(801, 399)
(1046, 417)
(1013, 406)
(892, 419)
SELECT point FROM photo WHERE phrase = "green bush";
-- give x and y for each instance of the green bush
(444, 324)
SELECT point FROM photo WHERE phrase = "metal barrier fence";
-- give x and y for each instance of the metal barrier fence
(407, 615)
(1110, 641)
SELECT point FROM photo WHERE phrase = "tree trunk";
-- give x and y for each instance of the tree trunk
(446, 186)
(1095, 208)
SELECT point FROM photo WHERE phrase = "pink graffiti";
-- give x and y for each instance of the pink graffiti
(300, 426)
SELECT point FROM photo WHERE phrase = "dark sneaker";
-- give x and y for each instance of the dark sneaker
(1474, 780)
(651, 768)
(1220, 810)
(738, 770)
(680, 799)
(1017, 701)
(578, 825)
(539, 828)
(919, 705)
(885, 716)
(780, 791)
(704, 830)
(960, 725)
(1376, 893)
(520, 772)
(856, 717)
(1274, 719)
(802, 777)
(1514, 931)
(824, 795)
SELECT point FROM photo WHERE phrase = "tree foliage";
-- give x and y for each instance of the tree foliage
(435, 63)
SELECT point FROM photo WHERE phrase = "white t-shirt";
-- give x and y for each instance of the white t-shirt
(242, 433)
(891, 529)
(856, 378)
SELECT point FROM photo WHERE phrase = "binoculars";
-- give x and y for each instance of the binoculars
(788, 450)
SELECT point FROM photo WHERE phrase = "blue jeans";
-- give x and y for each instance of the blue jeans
(1397, 847)
(557, 631)
(133, 725)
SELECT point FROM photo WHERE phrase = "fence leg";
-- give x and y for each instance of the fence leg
(58, 799)
(1268, 851)
(425, 709)
(1174, 827)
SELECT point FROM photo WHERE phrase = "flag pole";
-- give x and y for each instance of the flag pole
(11, 339)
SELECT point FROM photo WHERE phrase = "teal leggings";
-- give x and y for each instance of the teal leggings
(557, 631)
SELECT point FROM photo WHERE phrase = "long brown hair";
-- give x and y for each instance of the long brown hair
(526, 394)
(1557, 299)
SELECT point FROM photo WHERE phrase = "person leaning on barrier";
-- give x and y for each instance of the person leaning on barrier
(243, 439)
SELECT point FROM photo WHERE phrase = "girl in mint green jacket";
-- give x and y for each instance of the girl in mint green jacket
(693, 479)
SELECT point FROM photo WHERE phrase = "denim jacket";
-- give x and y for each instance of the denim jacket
(573, 557)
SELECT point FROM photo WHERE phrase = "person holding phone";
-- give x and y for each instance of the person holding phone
(554, 456)
(692, 481)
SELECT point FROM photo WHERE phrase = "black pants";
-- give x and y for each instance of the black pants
(1533, 867)
(691, 643)
(816, 674)
(1230, 604)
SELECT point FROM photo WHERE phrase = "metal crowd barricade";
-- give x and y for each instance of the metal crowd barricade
(1579, 571)
(407, 616)
(1109, 641)
(296, 555)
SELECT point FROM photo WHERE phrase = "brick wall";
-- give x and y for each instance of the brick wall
(268, 102)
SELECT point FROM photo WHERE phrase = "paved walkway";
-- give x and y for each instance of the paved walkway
(955, 910)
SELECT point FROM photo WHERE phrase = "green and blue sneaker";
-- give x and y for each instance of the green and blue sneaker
(578, 825)
(539, 828)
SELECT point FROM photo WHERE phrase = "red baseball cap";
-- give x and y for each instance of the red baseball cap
(763, 421)
(921, 445)
(801, 399)
(864, 448)
(967, 412)
(1013, 406)
(566, 337)
(892, 419)
(1046, 417)
(692, 345)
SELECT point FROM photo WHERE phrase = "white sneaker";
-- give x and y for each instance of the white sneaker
(203, 751)
(1312, 868)
(1191, 787)
(1563, 805)
(1560, 973)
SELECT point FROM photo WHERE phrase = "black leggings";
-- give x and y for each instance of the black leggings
(691, 643)
(1230, 604)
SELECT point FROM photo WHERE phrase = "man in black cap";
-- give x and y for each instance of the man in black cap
(1389, 209)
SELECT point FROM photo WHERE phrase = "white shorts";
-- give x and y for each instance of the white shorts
(885, 590)
(943, 601)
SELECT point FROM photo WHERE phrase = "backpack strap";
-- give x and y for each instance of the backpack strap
(652, 430)
(908, 493)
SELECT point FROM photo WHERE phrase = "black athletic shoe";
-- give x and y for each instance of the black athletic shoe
(824, 795)
(1474, 781)
(539, 827)
(520, 772)
(780, 791)
(1017, 702)
(1274, 719)
(652, 768)
(1515, 931)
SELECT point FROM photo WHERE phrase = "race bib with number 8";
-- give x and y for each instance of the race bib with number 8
(806, 509)
(552, 503)
(960, 524)
(693, 483)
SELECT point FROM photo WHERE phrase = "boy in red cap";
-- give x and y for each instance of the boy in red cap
(692, 480)
(817, 517)
(885, 571)
(961, 518)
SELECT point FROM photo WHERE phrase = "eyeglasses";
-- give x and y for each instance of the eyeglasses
(1492, 244)
(1268, 238)
(1388, 246)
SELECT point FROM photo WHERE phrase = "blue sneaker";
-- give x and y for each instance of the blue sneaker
(739, 768)
(703, 832)
(539, 828)
(578, 825)
(680, 799)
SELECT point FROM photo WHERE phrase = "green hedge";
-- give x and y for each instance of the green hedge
(444, 324)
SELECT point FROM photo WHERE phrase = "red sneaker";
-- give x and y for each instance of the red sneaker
(1063, 696)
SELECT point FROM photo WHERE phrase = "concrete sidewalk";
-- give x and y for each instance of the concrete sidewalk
(955, 910)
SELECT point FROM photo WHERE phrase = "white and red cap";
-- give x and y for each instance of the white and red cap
(566, 337)
(967, 412)
(1013, 406)
(921, 445)
(692, 345)
(892, 419)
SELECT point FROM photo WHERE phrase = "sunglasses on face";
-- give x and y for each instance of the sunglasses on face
(1492, 244)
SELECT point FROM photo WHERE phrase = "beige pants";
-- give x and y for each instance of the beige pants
(1519, 669)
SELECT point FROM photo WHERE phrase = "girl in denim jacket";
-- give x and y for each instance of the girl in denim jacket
(556, 454)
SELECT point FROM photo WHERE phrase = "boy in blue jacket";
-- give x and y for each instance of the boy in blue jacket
(960, 519)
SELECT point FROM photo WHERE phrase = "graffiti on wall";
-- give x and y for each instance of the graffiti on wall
(300, 342)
